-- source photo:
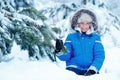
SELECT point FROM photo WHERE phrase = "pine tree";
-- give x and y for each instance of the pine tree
(35, 30)
(23, 28)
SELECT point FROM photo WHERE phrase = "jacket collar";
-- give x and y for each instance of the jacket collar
(84, 34)
(90, 31)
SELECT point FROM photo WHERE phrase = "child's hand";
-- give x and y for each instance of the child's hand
(58, 45)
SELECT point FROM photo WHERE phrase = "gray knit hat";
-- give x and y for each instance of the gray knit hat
(84, 15)
(84, 18)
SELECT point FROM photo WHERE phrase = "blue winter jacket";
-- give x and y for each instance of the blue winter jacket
(84, 51)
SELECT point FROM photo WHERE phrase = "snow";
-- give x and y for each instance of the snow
(21, 68)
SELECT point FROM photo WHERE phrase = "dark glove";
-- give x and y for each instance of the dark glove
(58, 45)
(90, 72)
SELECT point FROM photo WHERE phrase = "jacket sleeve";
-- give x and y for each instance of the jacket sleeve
(68, 45)
(99, 54)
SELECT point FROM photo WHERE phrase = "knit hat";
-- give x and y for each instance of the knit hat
(84, 15)
(84, 18)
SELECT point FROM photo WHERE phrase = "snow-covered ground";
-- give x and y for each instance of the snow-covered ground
(21, 68)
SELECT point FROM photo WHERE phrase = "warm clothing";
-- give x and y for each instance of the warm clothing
(84, 51)
(84, 18)
(79, 13)
(77, 71)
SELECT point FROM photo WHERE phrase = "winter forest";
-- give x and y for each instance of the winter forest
(29, 28)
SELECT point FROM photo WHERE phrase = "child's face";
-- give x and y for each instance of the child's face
(84, 26)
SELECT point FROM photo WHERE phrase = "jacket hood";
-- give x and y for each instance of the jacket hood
(77, 15)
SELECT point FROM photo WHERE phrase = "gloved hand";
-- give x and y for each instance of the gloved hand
(58, 45)
(90, 72)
